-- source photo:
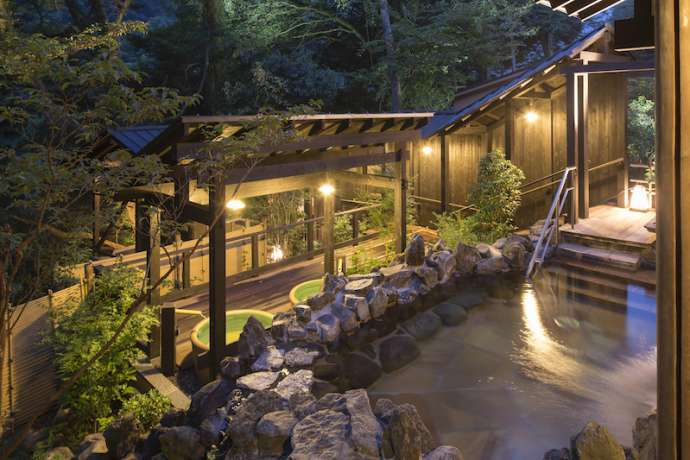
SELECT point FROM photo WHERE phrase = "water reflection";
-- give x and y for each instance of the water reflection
(522, 376)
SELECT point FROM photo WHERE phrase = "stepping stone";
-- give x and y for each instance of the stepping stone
(258, 381)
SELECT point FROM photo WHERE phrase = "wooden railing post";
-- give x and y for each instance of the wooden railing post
(355, 227)
(255, 251)
(311, 230)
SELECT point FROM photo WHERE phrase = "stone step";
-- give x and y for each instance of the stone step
(619, 259)
(645, 278)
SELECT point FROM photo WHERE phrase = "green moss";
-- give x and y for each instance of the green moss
(234, 322)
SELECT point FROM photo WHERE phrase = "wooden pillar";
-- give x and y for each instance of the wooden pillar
(400, 202)
(217, 273)
(355, 227)
(444, 172)
(168, 339)
(572, 144)
(141, 223)
(673, 228)
(509, 124)
(582, 150)
(96, 226)
(310, 213)
(255, 251)
(328, 234)
(153, 274)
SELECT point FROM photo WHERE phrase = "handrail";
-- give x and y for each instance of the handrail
(551, 222)
(607, 164)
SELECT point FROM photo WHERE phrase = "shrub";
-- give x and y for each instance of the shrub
(496, 199)
(147, 408)
(80, 332)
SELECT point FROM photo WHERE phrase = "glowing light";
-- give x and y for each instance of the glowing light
(531, 116)
(276, 254)
(639, 198)
(327, 189)
(235, 205)
(426, 150)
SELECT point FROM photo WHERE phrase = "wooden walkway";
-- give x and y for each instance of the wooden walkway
(614, 223)
(266, 292)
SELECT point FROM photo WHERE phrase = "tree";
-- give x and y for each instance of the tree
(57, 98)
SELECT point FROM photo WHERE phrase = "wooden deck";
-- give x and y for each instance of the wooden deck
(614, 223)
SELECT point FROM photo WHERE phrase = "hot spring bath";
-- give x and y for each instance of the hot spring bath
(522, 376)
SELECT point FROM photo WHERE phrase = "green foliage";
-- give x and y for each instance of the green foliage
(642, 121)
(364, 262)
(147, 408)
(80, 332)
(495, 199)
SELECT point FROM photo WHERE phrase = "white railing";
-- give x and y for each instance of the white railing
(551, 223)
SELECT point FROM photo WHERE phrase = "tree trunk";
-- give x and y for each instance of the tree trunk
(390, 55)
(214, 13)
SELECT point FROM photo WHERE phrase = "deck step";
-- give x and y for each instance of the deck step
(612, 299)
(569, 236)
(613, 284)
(618, 259)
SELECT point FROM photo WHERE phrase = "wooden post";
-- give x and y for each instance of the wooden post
(572, 144)
(96, 226)
(509, 115)
(444, 172)
(186, 273)
(673, 226)
(400, 203)
(582, 150)
(217, 273)
(140, 227)
(255, 251)
(355, 227)
(168, 339)
(153, 274)
(311, 229)
(327, 234)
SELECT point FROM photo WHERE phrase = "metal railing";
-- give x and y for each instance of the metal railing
(551, 223)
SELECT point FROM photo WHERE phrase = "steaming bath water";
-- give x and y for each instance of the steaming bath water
(522, 376)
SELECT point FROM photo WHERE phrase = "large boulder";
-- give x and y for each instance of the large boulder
(450, 313)
(408, 436)
(212, 428)
(322, 435)
(273, 431)
(492, 266)
(320, 300)
(271, 359)
(359, 305)
(645, 437)
(428, 275)
(377, 299)
(299, 382)
(258, 381)
(423, 325)
(360, 286)
(516, 251)
(359, 370)
(444, 262)
(397, 276)
(444, 453)
(469, 298)
(243, 424)
(488, 251)
(334, 283)
(298, 358)
(365, 429)
(122, 435)
(328, 328)
(253, 341)
(279, 325)
(415, 252)
(466, 259)
(396, 351)
(93, 447)
(302, 404)
(209, 398)
(182, 443)
(595, 442)
(230, 367)
(347, 318)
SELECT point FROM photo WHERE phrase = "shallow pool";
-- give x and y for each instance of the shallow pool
(521, 376)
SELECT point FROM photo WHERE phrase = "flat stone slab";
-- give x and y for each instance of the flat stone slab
(258, 381)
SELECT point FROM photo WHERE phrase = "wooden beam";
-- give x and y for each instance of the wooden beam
(153, 273)
(217, 269)
(168, 326)
(328, 234)
(583, 150)
(596, 8)
(509, 115)
(367, 180)
(272, 186)
(310, 213)
(609, 67)
(592, 56)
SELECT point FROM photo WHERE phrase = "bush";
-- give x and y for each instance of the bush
(496, 199)
(80, 332)
(147, 408)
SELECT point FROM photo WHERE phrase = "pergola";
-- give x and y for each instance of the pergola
(330, 148)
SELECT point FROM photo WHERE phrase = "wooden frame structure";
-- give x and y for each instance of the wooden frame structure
(330, 149)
